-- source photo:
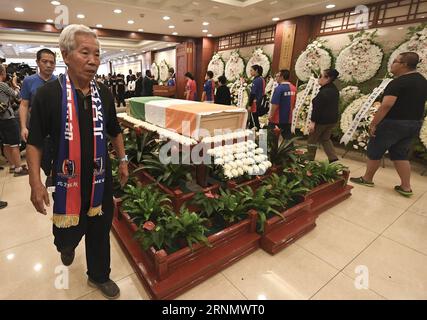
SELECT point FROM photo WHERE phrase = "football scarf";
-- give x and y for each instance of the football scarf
(67, 205)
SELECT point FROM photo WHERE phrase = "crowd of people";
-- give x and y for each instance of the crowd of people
(65, 121)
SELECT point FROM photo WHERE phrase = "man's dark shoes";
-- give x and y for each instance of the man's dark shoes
(67, 257)
(362, 182)
(3, 204)
(109, 289)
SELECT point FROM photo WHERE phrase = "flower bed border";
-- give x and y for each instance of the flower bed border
(279, 232)
(330, 194)
(167, 276)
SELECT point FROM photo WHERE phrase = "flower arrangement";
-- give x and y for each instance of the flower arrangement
(417, 42)
(240, 158)
(361, 136)
(349, 94)
(261, 59)
(235, 88)
(163, 71)
(155, 71)
(163, 133)
(302, 116)
(361, 59)
(423, 133)
(217, 66)
(234, 67)
(228, 137)
(315, 58)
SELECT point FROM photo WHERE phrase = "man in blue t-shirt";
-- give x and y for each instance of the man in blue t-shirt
(46, 62)
(209, 88)
(282, 105)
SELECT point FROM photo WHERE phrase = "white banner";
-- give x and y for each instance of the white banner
(240, 97)
(316, 90)
(347, 137)
(300, 104)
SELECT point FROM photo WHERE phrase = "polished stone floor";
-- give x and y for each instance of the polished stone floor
(376, 232)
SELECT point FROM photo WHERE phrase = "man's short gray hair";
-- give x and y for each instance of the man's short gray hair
(67, 39)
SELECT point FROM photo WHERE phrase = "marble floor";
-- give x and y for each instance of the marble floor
(372, 246)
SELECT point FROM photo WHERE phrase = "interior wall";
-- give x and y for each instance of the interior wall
(246, 52)
(388, 37)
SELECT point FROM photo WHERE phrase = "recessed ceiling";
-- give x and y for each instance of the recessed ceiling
(224, 16)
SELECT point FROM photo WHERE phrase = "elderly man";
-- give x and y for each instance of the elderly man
(78, 114)
(397, 122)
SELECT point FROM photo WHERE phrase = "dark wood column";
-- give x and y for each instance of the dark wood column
(304, 32)
(205, 50)
(185, 62)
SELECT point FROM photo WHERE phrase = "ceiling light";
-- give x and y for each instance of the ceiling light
(140, 30)
(55, 3)
(122, 50)
(166, 18)
(253, 37)
(400, 28)
(154, 48)
(38, 267)
(9, 44)
(171, 27)
(210, 35)
(169, 45)
(117, 11)
(275, 19)
(81, 16)
(10, 256)
(273, 2)
(205, 23)
(205, 31)
(49, 21)
(175, 33)
(330, 6)
(131, 22)
(18, 9)
(99, 26)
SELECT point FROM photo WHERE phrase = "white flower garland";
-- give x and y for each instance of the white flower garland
(261, 59)
(314, 59)
(349, 94)
(417, 43)
(235, 67)
(228, 137)
(235, 90)
(241, 158)
(304, 106)
(361, 60)
(361, 136)
(217, 66)
(163, 71)
(423, 133)
(163, 133)
(155, 71)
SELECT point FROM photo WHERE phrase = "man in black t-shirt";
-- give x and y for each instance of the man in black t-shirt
(80, 50)
(223, 95)
(397, 122)
(121, 90)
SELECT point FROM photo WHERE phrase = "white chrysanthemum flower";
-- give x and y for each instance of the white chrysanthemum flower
(219, 161)
(259, 151)
(267, 164)
(235, 173)
(227, 167)
(256, 169)
(250, 170)
(250, 155)
(241, 171)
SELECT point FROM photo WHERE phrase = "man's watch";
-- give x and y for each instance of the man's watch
(124, 159)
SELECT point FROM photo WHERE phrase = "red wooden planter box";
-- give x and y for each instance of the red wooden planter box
(166, 276)
(328, 195)
(281, 232)
(178, 197)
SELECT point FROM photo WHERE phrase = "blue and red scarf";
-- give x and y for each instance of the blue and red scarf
(67, 206)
